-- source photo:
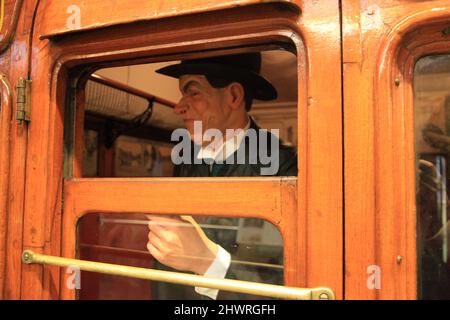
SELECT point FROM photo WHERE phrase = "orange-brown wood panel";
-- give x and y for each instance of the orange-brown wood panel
(89, 230)
(293, 229)
(271, 200)
(322, 168)
(359, 157)
(43, 212)
(8, 27)
(316, 38)
(5, 125)
(39, 187)
(429, 39)
(15, 214)
(141, 194)
(380, 221)
(5, 63)
(41, 223)
(17, 54)
(52, 219)
(67, 16)
(416, 35)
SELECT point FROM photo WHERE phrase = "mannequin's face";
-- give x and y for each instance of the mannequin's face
(202, 102)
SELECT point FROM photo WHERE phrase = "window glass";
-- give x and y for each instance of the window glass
(254, 245)
(432, 151)
(136, 157)
(132, 110)
(131, 116)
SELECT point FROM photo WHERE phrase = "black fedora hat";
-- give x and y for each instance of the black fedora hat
(243, 68)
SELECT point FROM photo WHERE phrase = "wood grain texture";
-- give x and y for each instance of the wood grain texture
(381, 42)
(320, 157)
(5, 126)
(380, 214)
(18, 54)
(11, 18)
(97, 14)
(227, 197)
(313, 227)
(42, 212)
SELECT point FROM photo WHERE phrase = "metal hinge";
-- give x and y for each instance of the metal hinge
(23, 99)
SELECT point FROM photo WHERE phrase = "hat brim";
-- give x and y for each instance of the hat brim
(260, 88)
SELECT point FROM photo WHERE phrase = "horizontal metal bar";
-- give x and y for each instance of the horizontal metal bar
(178, 224)
(246, 287)
(146, 254)
(130, 90)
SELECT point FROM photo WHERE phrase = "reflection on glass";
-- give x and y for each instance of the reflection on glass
(132, 157)
(142, 158)
(432, 151)
(255, 247)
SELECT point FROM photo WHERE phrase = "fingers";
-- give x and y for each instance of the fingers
(154, 252)
(157, 223)
(157, 248)
(180, 243)
(156, 226)
(168, 241)
(164, 238)
(156, 241)
(164, 246)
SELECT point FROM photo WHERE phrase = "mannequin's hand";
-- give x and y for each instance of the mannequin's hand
(180, 243)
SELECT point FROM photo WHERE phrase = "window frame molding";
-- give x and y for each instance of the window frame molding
(410, 39)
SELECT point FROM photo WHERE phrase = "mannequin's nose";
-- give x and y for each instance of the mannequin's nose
(181, 107)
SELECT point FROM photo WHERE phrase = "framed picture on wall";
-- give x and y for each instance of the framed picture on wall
(136, 157)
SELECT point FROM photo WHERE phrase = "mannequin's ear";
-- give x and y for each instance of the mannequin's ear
(235, 95)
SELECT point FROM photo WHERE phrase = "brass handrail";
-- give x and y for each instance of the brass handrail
(240, 286)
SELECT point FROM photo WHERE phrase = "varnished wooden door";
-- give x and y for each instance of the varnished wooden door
(308, 209)
(382, 43)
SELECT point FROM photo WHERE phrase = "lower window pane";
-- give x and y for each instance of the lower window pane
(181, 244)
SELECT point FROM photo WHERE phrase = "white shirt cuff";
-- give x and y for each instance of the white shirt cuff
(218, 269)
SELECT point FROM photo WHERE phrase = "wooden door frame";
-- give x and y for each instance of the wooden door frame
(273, 199)
(319, 222)
(14, 63)
(380, 210)
(6, 116)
